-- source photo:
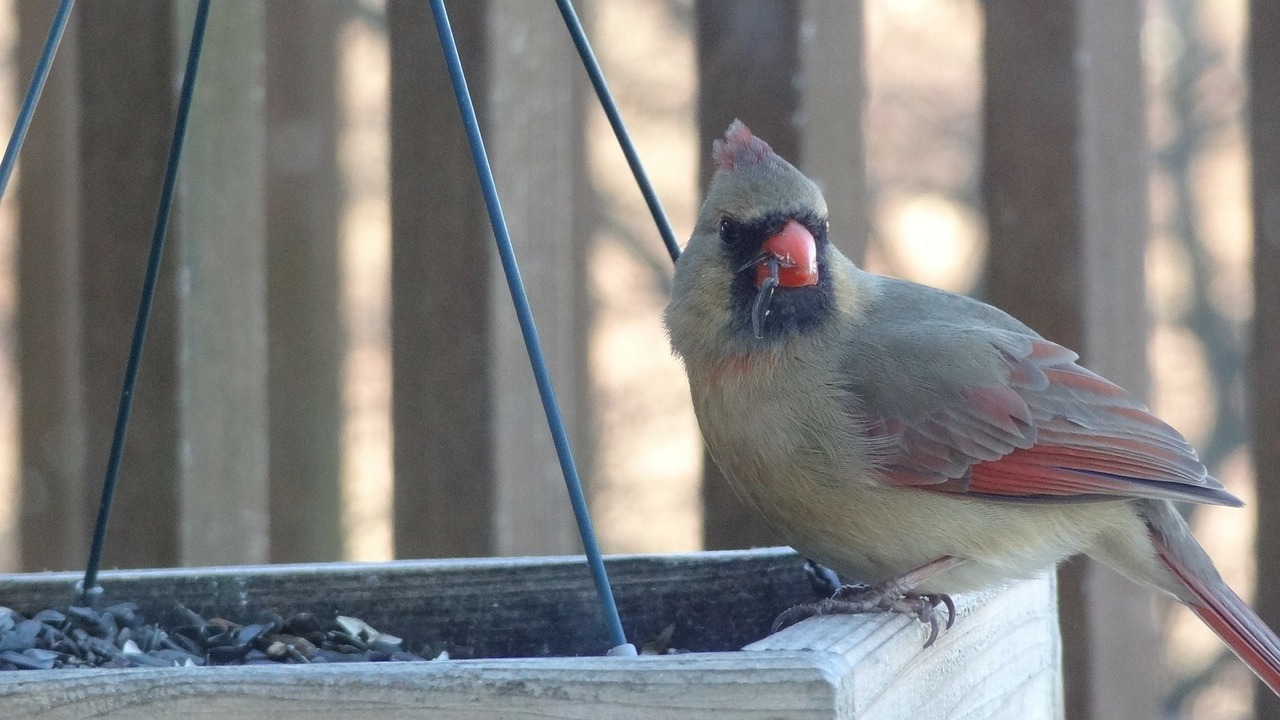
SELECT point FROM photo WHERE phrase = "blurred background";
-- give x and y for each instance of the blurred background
(334, 371)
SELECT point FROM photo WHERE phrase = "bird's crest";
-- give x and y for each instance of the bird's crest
(739, 148)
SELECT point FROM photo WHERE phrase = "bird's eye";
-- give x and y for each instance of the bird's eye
(729, 231)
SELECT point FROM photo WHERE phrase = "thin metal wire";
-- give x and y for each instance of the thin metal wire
(90, 583)
(610, 108)
(38, 78)
(529, 330)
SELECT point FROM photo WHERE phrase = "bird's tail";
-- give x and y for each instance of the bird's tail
(1216, 604)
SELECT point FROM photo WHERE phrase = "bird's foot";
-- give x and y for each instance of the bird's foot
(859, 599)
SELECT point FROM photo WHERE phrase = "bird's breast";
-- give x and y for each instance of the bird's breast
(780, 430)
(784, 437)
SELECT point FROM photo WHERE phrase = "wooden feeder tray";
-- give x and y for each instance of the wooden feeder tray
(531, 632)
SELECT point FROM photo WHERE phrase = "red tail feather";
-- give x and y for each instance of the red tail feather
(1227, 615)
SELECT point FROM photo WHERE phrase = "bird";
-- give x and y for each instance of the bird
(919, 441)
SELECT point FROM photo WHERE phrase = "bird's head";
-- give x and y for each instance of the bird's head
(756, 266)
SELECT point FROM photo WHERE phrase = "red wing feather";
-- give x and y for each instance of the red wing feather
(1054, 432)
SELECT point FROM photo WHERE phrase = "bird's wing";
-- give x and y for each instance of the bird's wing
(1006, 415)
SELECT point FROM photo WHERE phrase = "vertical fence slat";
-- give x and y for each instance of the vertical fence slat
(127, 102)
(535, 143)
(193, 479)
(219, 228)
(1115, 220)
(304, 324)
(833, 90)
(1065, 187)
(1264, 138)
(475, 470)
(54, 473)
(1030, 167)
(440, 324)
(748, 62)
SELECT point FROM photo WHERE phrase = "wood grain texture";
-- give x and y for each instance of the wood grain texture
(475, 470)
(219, 228)
(55, 484)
(128, 97)
(793, 685)
(305, 333)
(198, 408)
(833, 88)
(440, 320)
(534, 138)
(1000, 661)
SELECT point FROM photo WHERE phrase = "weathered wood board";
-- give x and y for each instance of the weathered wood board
(1000, 661)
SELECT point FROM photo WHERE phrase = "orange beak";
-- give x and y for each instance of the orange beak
(796, 254)
(788, 258)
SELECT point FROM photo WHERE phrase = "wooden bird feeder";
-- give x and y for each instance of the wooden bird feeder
(533, 629)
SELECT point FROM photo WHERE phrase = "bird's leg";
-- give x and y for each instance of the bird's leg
(896, 596)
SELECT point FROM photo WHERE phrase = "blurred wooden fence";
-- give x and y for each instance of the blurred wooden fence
(233, 454)
(1065, 186)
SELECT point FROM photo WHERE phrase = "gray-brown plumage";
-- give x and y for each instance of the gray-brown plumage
(880, 426)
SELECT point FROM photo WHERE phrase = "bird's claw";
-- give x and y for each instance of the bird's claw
(859, 599)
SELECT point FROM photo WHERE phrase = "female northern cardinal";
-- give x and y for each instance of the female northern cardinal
(918, 440)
